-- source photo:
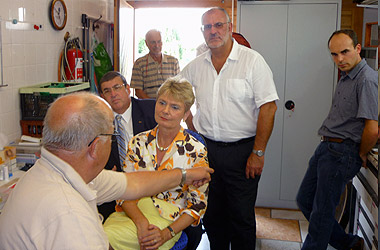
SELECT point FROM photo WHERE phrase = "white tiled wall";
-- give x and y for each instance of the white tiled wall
(31, 57)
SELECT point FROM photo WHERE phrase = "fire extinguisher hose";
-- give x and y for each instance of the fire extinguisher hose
(63, 60)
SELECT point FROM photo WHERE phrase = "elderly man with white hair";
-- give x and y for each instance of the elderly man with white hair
(151, 70)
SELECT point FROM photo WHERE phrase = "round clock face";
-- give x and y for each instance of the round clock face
(58, 14)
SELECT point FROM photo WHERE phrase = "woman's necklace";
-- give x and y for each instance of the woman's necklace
(158, 146)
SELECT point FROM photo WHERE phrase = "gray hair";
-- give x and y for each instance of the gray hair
(80, 129)
(150, 32)
(217, 8)
(179, 89)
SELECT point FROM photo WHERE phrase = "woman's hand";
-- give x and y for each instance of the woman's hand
(143, 230)
(154, 239)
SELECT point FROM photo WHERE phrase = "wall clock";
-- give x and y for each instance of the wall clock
(58, 14)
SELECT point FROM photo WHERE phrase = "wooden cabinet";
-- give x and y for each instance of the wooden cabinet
(352, 17)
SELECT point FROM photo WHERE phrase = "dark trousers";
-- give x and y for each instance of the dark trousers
(230, 214)
(194, 235)
(330, 168)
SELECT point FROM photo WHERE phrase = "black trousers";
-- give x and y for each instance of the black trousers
(230, 215)
(194, 235)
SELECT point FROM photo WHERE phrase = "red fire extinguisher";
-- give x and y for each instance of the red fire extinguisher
(74, 65)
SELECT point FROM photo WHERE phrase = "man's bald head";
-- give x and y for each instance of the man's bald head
(73, 120)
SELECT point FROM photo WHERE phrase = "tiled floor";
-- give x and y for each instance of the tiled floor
(277, 229)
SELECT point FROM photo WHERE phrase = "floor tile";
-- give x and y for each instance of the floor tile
(303, 228)
(277, 245)
(287, 214)
(204, 244)
(263, 212)
(278, 229)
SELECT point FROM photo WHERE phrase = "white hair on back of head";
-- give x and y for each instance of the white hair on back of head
(82, 127)
(150, 32)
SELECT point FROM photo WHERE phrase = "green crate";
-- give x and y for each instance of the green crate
(36, 99)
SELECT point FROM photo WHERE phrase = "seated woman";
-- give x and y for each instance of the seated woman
(156, 222)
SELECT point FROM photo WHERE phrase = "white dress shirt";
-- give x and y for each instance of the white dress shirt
(127, 123)
(228, 103)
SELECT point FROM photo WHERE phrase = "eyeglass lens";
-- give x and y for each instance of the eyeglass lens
(115, 88)
(217, 25)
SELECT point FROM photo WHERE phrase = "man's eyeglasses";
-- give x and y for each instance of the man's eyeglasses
(207, 27)
(113, 137)
(116, 88)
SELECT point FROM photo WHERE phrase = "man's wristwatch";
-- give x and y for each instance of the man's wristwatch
(258, 152)
(172, 233)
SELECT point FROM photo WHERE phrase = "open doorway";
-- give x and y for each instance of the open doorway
(180, 29)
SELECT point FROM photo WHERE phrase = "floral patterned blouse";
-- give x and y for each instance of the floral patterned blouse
(185, 152)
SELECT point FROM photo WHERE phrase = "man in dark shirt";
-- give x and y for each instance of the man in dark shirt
(135, 115)
(348, 134)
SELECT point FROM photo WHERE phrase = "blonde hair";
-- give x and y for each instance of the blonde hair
(179, 89)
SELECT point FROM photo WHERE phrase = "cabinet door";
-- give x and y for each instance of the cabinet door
(293, 40)
(309, 83)
(265, 27)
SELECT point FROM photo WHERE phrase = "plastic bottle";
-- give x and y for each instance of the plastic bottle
(10, 169)
(6, 172)
(1, 172)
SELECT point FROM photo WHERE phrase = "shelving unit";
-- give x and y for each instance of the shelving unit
(369, 4)
(365, 217)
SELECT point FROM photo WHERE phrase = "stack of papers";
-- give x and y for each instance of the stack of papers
(29, 141)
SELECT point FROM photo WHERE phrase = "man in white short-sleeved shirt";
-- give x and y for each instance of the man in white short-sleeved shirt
(236, 103)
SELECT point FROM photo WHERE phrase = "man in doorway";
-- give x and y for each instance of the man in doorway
(348, 134)
(235, 97)
(151, 70)
(132, 116)
(53, 206)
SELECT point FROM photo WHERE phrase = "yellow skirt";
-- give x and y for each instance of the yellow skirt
(122, 232)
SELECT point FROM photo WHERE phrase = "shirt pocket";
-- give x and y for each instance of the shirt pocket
(238, 90)
(348, 105)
